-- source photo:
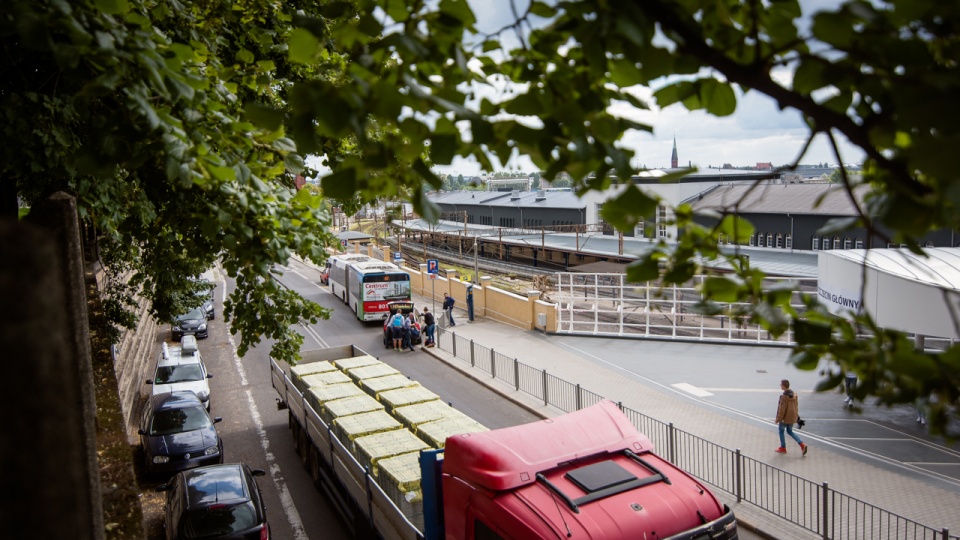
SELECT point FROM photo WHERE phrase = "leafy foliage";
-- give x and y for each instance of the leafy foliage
(179, 127)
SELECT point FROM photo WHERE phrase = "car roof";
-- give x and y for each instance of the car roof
(216, 484)
(174, 355)
(178, 399)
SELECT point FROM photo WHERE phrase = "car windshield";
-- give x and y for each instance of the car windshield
(169, 421)
(193, 314)
(175, 374)
(219, 520)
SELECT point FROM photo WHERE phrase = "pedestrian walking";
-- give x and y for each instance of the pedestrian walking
(411, 331)
(430, 327)
(448, 302)
(921, 405)
(788, 412)
(850, 382)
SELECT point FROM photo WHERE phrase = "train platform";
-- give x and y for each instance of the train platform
(900, 491)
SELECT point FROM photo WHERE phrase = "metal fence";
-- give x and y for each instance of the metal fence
(815, 507)
(608, 304)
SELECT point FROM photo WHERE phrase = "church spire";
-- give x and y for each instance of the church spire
(673, 158)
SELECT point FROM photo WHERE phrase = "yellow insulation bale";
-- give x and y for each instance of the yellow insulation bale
(324, 379)
(298, 372)
(371, 372)
(429, 411)
(345, 364)
(316, 396)
(435, 433)
(349, 428)
(382, 384)
(399, 477)
(406, 396)
(372, 448)
(339, 408)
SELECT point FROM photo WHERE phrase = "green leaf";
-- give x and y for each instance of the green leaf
(245, 57)
(809, 76)
(443, 148)
(718, 97)
(812, 333)
(736, 228)
(303, 46)
(340, 185)
(643, 270)
(629, 208)
(264, 116)
(541, 9)
(721, 289)
(113, 7)
(459, 10)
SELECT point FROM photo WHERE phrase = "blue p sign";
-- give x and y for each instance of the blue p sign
(433, 266)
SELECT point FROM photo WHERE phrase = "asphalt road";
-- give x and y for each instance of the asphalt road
(256, 433)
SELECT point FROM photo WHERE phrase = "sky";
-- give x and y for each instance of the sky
(757, 131)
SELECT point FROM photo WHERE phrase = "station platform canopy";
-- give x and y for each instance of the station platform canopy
(901, 290)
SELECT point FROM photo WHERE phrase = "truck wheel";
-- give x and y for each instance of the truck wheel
(315, 466)
(304, 447)
(295, 428)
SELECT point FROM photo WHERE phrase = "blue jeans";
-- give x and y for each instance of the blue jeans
(431, 329)
(789, 429)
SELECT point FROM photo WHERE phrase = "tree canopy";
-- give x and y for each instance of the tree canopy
(179, 125)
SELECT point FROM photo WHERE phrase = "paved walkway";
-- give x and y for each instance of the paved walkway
(898, 492)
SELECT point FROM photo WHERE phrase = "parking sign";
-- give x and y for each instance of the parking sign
(343, 243)
(433, 266)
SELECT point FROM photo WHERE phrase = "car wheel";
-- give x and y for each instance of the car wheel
(213, 315)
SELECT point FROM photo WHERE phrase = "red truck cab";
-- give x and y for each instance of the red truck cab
(587, 475)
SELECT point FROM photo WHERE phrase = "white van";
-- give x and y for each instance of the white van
(180, 367)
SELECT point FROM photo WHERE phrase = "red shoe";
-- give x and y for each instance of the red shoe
(803, 447)
(781, 450)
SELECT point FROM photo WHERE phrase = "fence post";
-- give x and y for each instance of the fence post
(472, 361)
(454, 336)
(825, 515)
(546, 397)
(516, 374)
(738, 471)
(578, 397)
(493, 366)
(671, 434)
(946, 533)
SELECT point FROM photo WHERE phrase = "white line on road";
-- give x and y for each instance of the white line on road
(691, 389)
(293, 517)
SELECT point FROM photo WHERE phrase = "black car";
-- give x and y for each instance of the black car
(193, 322)
(205, 297)
(219, 501)
(177, 433)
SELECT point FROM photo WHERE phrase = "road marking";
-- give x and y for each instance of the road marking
(313, 333)
(293, 517)
(691, 389)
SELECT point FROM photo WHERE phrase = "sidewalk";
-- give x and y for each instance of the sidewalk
(893, 491)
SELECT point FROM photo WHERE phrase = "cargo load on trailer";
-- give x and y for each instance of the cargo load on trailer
(399, 463)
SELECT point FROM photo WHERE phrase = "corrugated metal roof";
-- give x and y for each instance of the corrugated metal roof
(821, 199)
(940, 266)
(526, 199)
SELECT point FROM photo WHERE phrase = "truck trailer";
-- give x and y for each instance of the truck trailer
(588, 474)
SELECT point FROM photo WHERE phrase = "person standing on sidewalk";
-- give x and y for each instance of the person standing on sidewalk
(430, 326)
(448, 307)
(788, 412)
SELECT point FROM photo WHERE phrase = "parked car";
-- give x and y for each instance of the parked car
(205, 296)
(182, 368)
(194, 322)
(219, 501)
(177, 433)
(405, 308)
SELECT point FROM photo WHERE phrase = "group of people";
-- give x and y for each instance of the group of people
(405, 330)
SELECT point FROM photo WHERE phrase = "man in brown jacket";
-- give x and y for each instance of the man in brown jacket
(788, 412)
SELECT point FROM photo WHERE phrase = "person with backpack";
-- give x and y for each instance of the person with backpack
(448, 302)
(430, 326)
(406, 328)
(396, 330)
(413, 331)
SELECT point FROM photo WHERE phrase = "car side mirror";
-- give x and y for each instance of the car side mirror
(209, 375)
(149, 381)
(217, 419)
(257, 472)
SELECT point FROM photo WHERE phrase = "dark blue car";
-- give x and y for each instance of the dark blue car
(177, 433)
(219, 501)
